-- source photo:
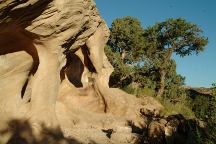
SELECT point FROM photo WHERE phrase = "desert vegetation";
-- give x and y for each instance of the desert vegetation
(143, 63)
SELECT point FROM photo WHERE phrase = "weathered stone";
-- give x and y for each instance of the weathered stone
(54, 72)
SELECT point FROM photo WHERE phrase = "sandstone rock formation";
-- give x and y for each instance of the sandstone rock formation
(54, 73)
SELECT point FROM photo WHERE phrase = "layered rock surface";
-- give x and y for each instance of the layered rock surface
(54, 74)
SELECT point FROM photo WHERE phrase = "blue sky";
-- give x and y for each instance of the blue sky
(200, 71)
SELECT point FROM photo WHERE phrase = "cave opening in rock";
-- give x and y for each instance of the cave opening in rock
(87, 61)
(73, 69)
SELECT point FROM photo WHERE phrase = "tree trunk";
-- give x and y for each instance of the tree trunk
(161, 83)
(163, 71)
(123, 55)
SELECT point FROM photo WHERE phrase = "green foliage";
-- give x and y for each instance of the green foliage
(126, 38)
(201, 107)
(204, 108)
(122, 72)
(212, 115)
(178, 108)
(125, 50)
(168, 37)
(172, 83)
(177, 34)
(139, 92)
(143, 55)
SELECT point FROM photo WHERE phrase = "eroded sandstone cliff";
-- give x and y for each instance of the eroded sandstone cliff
(54, 73)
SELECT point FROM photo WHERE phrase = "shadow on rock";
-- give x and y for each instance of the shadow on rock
(21, 132)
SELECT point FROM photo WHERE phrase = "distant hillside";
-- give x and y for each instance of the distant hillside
(199, 90)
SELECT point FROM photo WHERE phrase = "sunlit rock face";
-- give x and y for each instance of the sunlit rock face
(54, 72)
